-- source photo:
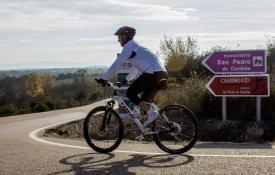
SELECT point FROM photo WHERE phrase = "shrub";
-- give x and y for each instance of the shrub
(39, 107)
(7, 110)
(190, 93)
(50, 103)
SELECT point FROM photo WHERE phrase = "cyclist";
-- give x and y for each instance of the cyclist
(146, 66)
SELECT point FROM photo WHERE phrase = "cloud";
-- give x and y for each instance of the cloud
(251, 38)
(233, 40)
(151, 12)
(28, 41)
(32, 15)
(234, 36)
(68, 14)
(69, 29)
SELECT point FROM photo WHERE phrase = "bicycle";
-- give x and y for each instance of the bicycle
(175, 131)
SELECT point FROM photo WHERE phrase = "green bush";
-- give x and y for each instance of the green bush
(39, 107)
(211, 107)
(7, 110)
(94, 96)
(50, 103)
(42, 107)
(70, 102)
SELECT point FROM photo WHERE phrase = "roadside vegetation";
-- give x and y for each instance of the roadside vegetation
(38, 92)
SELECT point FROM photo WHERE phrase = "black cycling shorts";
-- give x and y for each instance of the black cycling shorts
(145, 84)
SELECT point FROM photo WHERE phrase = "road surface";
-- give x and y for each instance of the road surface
(23, 151)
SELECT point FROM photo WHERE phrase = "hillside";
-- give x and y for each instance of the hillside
(50, 71)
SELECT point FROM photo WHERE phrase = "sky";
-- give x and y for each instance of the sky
(79, 33)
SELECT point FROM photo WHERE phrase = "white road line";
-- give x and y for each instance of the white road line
(232, 156)
(34, 136)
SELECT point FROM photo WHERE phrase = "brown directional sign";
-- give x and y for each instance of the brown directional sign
(240, 85)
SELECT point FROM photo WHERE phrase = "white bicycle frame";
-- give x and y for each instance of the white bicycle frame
(121, 98)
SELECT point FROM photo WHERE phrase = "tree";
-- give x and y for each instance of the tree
(83, 84)
(48, 83)
(179, 55)
(81, 95)
(270, 54)
(37, 84)
(34, 85)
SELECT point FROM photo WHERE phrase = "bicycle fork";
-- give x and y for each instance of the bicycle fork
(107, 116)
(106, 121)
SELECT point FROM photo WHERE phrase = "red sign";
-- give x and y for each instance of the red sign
(239, 85)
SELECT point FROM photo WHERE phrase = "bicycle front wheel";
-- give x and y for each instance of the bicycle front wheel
(177, 130)
(103, 129)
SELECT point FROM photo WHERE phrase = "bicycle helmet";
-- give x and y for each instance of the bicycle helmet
(126, 30)
(127, 33)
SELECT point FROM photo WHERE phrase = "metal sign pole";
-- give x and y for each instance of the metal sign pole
(258, 109)
(223, 109)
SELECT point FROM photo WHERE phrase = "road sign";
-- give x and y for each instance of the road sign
(236, 62)
(240, 85)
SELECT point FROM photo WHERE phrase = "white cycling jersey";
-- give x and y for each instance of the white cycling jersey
(141, 58)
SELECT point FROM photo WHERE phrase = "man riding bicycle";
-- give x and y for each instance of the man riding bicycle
(146, 66)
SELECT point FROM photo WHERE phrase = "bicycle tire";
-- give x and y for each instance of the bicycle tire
(192, 118)
(87, 134)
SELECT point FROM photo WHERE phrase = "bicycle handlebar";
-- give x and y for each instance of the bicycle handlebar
(110, 84)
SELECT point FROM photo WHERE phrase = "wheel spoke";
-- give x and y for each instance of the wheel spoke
(186, 136)
(103, 140)
(183, 129)
(176, 137)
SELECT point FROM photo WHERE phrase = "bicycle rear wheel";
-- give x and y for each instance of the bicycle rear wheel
(179, 133)
(103, 129)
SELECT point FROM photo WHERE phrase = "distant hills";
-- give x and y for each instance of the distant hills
(51, 71)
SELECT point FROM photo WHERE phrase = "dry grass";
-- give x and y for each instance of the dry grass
(190, 92)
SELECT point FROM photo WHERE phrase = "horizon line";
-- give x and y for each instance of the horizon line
(42, 68)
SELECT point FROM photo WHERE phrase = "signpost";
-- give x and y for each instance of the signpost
(236, 62)
(248, 80)
(239, 85)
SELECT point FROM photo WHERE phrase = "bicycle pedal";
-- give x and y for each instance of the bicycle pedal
(140, 137)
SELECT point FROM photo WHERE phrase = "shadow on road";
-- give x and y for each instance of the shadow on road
(229, 145)
(94, 163)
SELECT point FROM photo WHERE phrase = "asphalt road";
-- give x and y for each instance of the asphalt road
(22, 152)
